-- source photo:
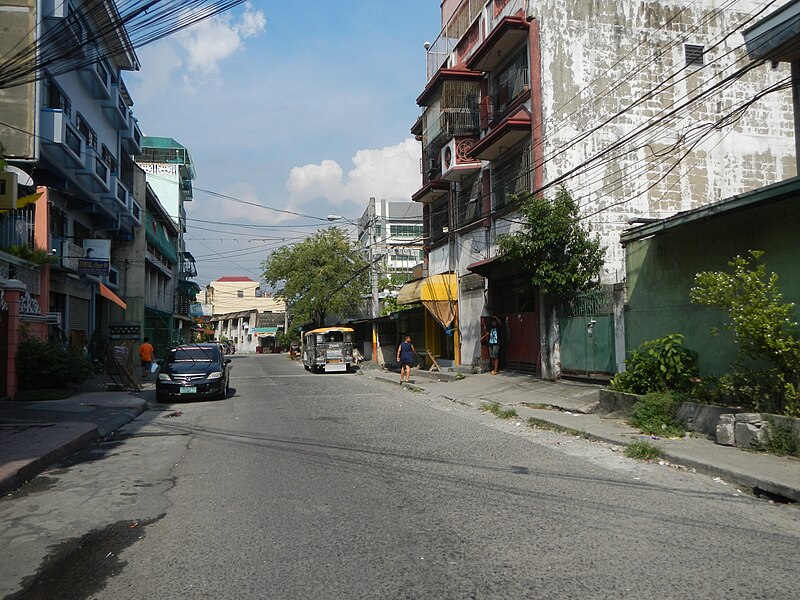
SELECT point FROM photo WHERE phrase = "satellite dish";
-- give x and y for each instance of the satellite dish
(22, 177)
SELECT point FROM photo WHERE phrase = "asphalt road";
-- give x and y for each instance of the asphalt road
(339, 486)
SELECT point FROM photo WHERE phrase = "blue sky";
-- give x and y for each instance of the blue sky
(299, 106)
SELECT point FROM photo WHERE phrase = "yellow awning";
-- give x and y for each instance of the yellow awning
(105, 292)
(410, 292)
(442, 287)
(439, 297)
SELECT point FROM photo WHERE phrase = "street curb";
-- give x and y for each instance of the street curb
(731, 476)
(15, 474)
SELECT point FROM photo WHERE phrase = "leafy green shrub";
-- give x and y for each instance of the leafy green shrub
(655, 413)
(642, 450)
(759, 390)
(782, 440)
(764, 328)
(43, 364)
(657, 366)
(36, 256)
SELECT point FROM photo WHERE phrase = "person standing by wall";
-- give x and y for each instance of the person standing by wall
(405, 356)
(492, 338)
(146, 357)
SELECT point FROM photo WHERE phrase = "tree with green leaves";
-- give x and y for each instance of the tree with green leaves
(325, 274)
(557, 253)
(762, 323)
(560, 258)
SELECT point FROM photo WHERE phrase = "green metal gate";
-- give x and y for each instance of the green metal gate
(587, 334)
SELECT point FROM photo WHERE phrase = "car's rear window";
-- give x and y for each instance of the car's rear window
(193, 355)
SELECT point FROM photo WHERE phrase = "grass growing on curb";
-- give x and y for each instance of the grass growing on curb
(497, 411)
(538, 405)
(642, 450)
(548, 426)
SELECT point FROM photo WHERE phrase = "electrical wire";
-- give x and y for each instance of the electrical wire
(73, 38)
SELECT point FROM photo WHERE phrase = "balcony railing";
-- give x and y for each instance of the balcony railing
(454, 112)
(463, 17)
(16, 227)
(446, 41)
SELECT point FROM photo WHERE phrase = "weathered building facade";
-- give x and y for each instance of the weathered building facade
(640, 109)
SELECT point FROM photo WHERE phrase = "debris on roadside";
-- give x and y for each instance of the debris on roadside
(174, 413)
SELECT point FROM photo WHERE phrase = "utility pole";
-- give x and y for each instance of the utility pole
(373, 275)
(373, 269)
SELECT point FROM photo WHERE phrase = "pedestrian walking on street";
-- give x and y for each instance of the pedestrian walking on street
(405, 356)
(492, 338)
(146, 357)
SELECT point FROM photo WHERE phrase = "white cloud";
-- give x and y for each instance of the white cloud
(211, 41)
(159, 62)
(391, 173)
(194, 53)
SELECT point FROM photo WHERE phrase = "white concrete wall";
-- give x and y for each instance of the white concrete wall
(596, 60)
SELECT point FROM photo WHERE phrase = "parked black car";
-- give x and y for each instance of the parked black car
(193, 372)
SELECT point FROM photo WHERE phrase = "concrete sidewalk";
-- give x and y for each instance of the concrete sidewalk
(34, 435)
(572, 406)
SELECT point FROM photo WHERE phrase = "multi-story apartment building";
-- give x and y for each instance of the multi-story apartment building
(169, 173)
(69, 130)
(393, 231)
(638, 108)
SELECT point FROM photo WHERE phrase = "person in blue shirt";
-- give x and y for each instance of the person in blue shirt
(405, 356)
(492, 338)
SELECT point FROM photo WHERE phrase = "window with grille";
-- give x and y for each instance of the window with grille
(469, 201)
(439, 220)
(512, 177)
(694, 55)
(55, 98)
(86, 131)
(109, 159)
(509, 83)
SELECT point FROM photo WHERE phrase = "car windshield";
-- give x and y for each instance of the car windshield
(198, 354)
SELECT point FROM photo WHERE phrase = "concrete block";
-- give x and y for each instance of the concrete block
(616, 402)
(727, 419)
(748, 417)
(701, 418)
(725, 434)
(749, 435)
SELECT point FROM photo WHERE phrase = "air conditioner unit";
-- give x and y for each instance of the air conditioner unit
(448, 156)
(53, 318)
(8, 190)
(455, 167)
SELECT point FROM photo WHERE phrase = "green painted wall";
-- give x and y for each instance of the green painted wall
(661, 270)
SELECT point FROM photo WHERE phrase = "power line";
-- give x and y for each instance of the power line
(100, 30)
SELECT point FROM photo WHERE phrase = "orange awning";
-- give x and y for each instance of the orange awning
(107, 293)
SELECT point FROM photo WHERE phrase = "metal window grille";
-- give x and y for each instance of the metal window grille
(468, 203)
(594, 302)
(512, 177)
